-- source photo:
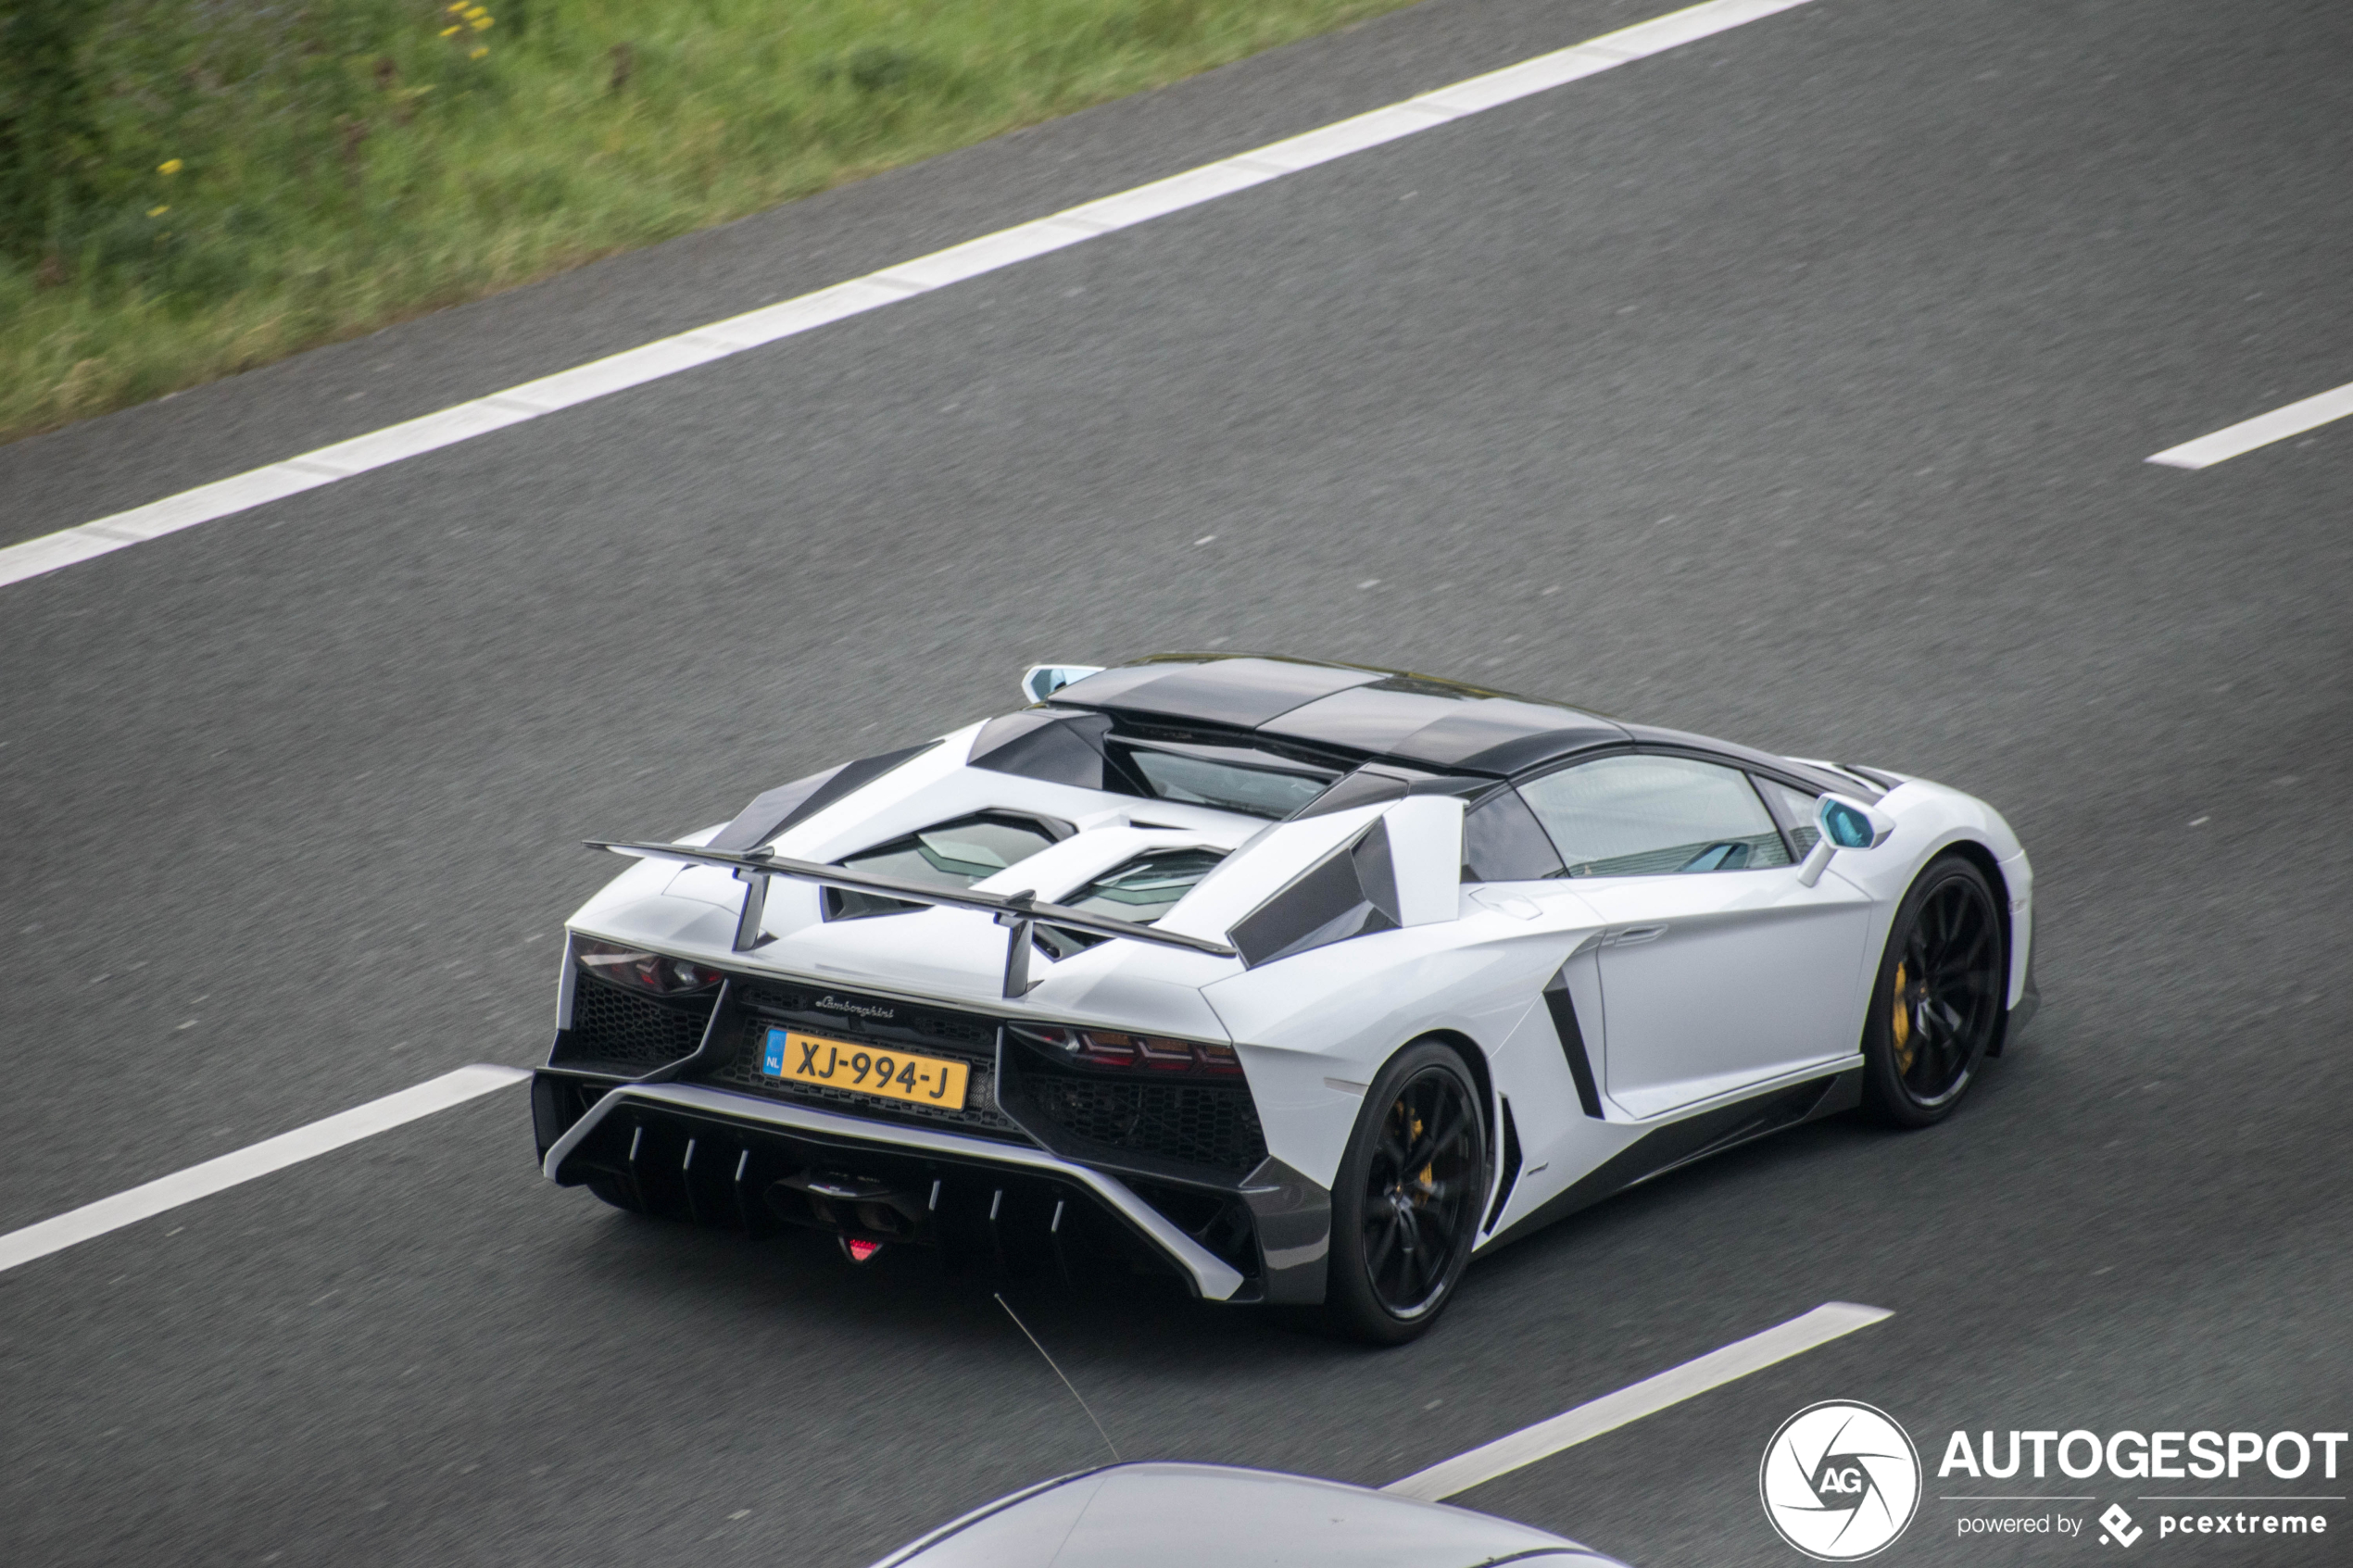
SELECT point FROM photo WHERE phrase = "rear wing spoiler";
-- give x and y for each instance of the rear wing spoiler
(1020, 912)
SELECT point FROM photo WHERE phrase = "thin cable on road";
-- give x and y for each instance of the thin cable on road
(687, 351)
(1059, 1372)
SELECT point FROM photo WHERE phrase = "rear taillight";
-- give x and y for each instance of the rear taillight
(1135, 1053)
(642, 971)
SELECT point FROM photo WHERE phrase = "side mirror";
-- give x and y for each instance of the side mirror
(1850, 824)
(1843, 823)
(1043, 681)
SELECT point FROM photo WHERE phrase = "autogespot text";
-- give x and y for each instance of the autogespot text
(2154, 1456)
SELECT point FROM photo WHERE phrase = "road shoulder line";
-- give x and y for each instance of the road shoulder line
(904, 280)
(1515, 1450)
(93, 1220)
(2308, 413)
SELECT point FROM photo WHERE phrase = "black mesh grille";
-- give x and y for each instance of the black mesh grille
(1210, 1124)
(873, 1021)
(626, 1032)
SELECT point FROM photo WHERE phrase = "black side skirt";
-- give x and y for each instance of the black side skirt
(1679, 1143)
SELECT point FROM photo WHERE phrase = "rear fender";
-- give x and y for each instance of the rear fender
(1313, 1030)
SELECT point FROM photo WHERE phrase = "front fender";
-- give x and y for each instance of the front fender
(1931, 819)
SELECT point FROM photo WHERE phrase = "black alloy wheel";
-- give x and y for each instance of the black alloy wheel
(1942, 985)
(1406, 1206)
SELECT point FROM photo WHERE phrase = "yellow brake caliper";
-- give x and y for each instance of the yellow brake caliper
(1900, 1023)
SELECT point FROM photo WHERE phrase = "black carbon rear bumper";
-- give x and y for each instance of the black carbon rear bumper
(644, 1098)
(725, 1158)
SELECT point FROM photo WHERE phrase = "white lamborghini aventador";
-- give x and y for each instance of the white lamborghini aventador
(1305, 981)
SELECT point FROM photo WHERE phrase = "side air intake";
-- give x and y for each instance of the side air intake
(1348, 893)
(1563, 1007)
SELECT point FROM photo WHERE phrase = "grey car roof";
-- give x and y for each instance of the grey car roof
(1422, 722)
(1171, 1515)
(1418, 720)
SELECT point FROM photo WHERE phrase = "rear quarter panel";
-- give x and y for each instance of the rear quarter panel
(1315, 1029)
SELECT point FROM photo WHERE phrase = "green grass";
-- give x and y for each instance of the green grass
(245, 181)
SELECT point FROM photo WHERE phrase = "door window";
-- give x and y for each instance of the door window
(1644, 816)
(1796, 807)
(1503, 842)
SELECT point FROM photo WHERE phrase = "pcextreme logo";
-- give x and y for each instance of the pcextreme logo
(1840, 1480)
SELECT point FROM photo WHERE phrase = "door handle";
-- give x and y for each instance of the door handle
(1634, 936)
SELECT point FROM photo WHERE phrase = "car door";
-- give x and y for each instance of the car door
(1718, 968)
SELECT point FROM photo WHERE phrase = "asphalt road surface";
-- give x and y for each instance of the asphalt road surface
(1793, 386)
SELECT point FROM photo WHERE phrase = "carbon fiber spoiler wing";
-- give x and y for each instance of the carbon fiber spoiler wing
(1020, 912)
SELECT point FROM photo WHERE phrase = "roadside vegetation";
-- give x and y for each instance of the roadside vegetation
(193, 187)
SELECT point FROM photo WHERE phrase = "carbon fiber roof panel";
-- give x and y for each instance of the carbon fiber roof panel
(1415, 719)
(1244, 692)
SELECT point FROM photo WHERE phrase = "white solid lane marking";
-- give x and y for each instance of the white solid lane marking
(668, 357)
(2260, 430)
(258, 1160)
(1652, 1394)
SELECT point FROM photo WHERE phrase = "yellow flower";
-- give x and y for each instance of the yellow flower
(480, 50)
(456, 10)
(170, 166)
(451, 31)
(482, 22)
(157, 211)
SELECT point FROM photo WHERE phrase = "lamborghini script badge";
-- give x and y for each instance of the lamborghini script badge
(831, 1003)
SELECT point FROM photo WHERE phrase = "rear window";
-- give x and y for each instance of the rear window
(1251, 782)
(952, 854)
(955, 854)
(1146, 887)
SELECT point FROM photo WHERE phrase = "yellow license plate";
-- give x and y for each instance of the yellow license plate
(839, 1064)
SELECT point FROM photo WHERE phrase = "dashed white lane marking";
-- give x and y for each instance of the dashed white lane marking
(1824, 1323)
(258, 1160)
(670, 356)
(2260, 430)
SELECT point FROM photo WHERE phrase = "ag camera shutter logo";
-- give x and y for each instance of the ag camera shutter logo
(1840, 1480)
